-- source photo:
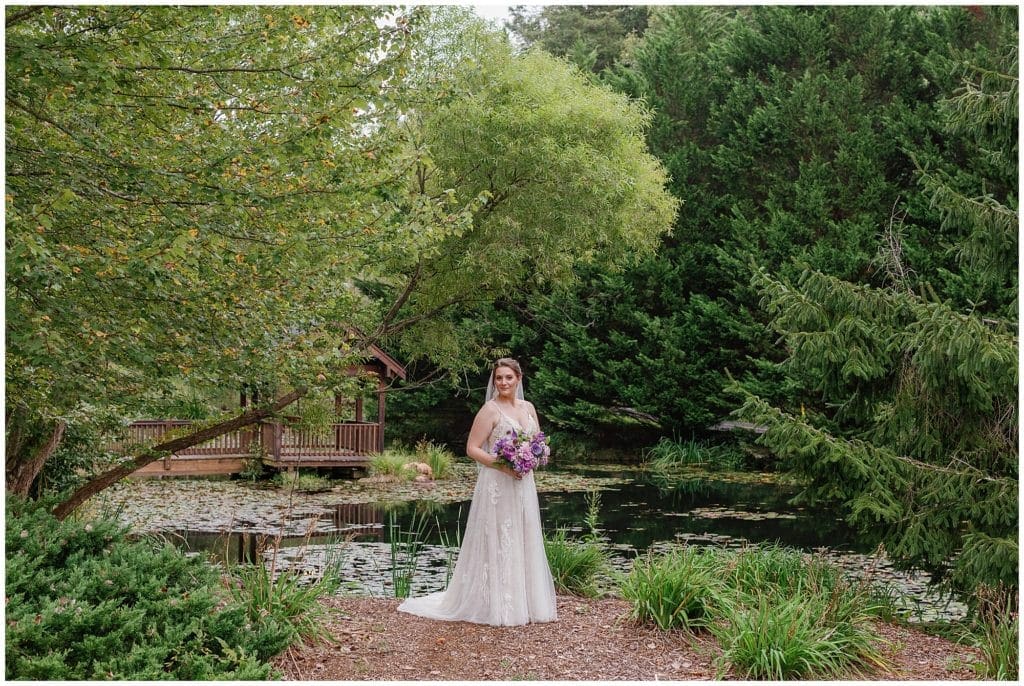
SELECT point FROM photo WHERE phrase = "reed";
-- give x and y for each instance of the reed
(405, 548)
(451, 548)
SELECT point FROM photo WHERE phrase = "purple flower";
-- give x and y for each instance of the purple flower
(522, 451)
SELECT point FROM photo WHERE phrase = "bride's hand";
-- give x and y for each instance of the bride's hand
(511, 472)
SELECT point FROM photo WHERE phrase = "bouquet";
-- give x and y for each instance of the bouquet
(522, 451)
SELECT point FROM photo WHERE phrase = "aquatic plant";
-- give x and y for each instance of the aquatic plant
(451, 548)
(668, 455)
(301, 480)
(405, 547)
(392, 462)
(438, 457)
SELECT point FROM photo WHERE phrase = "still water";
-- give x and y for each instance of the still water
(636, 514)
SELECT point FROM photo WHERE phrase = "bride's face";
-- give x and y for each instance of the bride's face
(505, 380)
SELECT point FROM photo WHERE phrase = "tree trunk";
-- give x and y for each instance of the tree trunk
(156, 452)
(21, 473)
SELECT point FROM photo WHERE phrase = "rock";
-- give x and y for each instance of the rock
(421, 468)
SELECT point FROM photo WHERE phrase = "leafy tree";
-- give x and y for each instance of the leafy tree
(591, 36)
(185, 192)
(538, 171)
(216, 194)
(911, 405)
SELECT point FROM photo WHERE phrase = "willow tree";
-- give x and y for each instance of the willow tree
(910, 417)
(530, 169)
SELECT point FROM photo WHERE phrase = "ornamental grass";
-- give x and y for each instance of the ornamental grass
(575, 565)
(776, 612)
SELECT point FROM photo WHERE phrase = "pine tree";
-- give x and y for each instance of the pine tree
(910, 414)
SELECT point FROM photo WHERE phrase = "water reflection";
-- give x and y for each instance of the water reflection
(642, 513)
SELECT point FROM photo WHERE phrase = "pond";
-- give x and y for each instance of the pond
(354, 523)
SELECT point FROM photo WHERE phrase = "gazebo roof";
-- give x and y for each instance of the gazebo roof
(392, 367)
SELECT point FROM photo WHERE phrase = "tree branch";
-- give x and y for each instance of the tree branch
(393, 311)
(18, 17)
(114, 475)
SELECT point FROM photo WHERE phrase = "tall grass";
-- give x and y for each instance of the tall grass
(668, 455)
(289, 598)
(681, 589)
(997, 633)
(301, 480)
(392, 463)
(438, 457)
(575, 565)
(777, 613)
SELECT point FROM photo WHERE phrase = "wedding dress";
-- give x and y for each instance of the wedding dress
(501, 576)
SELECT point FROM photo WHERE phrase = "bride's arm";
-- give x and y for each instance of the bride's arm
(483, 424)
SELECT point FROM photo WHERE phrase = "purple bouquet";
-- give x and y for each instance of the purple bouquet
(522, 451)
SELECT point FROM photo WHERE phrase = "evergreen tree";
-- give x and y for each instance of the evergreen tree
(791, 136)
(910, 411)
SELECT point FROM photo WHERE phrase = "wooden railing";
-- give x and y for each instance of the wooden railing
(279, 441)
(234, 443)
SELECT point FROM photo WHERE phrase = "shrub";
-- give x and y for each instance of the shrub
(681, 589)
(85, 602)
(575, 565)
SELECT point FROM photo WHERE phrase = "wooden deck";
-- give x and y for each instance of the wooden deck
(346, 444)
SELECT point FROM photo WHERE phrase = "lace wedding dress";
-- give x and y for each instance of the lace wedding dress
(502, 576)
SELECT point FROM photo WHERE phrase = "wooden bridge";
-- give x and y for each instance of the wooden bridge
(278, 445)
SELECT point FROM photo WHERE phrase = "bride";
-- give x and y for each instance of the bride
(502, 576)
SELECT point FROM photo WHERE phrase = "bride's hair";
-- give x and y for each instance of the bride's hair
(507, 362)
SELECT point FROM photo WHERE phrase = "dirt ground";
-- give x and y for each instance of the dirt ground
(593, 640)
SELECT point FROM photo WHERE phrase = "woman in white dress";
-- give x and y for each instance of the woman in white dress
(502, 576)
